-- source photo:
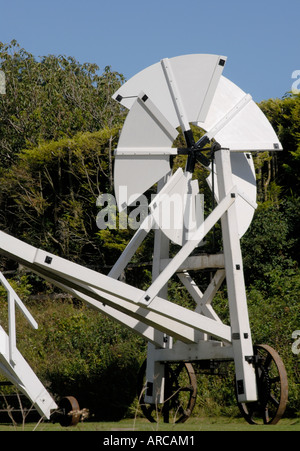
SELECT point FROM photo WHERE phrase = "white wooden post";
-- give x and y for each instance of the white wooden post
(155, 372)
(12, 364)
(240, 327)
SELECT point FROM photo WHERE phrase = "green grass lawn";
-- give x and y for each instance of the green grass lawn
(193, 425)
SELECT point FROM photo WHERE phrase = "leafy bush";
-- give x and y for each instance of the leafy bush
(78, 351)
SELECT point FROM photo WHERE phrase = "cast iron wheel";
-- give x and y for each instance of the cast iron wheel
(272, 387)
(69, 411)
(180, 394)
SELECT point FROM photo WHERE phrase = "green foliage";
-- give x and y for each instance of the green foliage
(81, 352)
(49, 195)
(52, 98)
(284, 114)
(271, 263)
(266, 246)
(274, 315)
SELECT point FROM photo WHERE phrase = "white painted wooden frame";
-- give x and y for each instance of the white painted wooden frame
(147, 312)
(13, 365)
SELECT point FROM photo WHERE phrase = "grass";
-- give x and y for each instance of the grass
(193, 425)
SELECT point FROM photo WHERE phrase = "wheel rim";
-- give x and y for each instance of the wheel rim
(272, 387)
(70, 411)
(180, 394)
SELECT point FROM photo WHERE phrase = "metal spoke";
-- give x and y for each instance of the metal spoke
(174, 407)
(270, 406)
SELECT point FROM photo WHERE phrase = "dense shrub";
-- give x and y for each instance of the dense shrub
(78, 351)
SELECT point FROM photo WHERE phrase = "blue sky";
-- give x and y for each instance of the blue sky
(260, 38)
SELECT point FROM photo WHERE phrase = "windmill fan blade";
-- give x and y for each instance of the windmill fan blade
(146, 127)
(168, 207)
(237, 123)
(243, 174)
(197, 77)
(143, 151)
(128, 186)
(177, 209)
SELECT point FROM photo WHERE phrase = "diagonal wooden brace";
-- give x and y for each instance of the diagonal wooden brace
(189, 246)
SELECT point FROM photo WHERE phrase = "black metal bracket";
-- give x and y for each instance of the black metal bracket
(253, 359)
(194, 150)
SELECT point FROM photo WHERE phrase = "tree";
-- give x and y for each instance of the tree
(48, 196)
(284, 167)
(52, 98)
(268, 245)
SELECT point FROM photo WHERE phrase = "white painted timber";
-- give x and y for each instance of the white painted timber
(113, 292)
(188, 247)
(239, 318)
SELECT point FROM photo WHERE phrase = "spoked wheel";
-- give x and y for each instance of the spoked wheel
(180, 394)
(272, 386)
(69, 412)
